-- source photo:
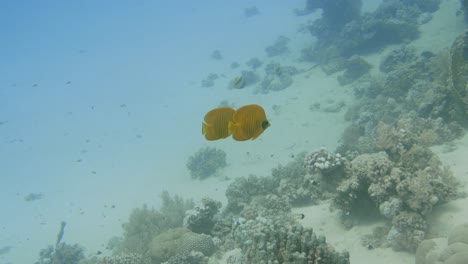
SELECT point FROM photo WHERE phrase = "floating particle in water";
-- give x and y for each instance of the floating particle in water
(5, 250)
(123, 105)
(20, 140)
(35, 85)
(68, 82)
(33, 197)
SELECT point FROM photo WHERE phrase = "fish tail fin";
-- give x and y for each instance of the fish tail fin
(231, 127)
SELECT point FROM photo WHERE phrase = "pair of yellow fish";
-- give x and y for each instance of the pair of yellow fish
(247, 122)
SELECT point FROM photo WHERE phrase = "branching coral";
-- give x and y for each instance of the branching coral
(206, 162)
(144, 223)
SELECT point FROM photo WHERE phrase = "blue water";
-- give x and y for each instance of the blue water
(101, 104)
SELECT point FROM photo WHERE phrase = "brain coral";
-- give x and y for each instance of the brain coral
(179, 241)
(196, 242)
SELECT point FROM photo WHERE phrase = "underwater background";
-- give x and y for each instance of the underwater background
(101, 105)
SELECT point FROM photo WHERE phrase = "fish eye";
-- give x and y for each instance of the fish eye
(265, 124)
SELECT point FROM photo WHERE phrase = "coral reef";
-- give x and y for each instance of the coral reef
(126, 259)
(464, 8)
(179, 241)
(273, 82)
(296, 185)
(451, 250)
(459, 68)
(264, 206)
(145, 223)
(277, 78)
(246, 78)
(234, 65)
(216, 55)
(201, 218)
(288, 185)
(61, 252)
(254, 63)
(336, 13)
(344, 32)
(278, 48)
(404, 190)
(417, 96)
(193, 257)
(251, 11)
(323, 162)
(407, 232)
(276, 240)
(376, 239)
(355, 67)
(206, 162)
(396, 58)
(209, 80)
(242, 190)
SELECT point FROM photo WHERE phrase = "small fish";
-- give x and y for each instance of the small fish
(237, 83)
(248, 122)
(215, 125)
(298, 216)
